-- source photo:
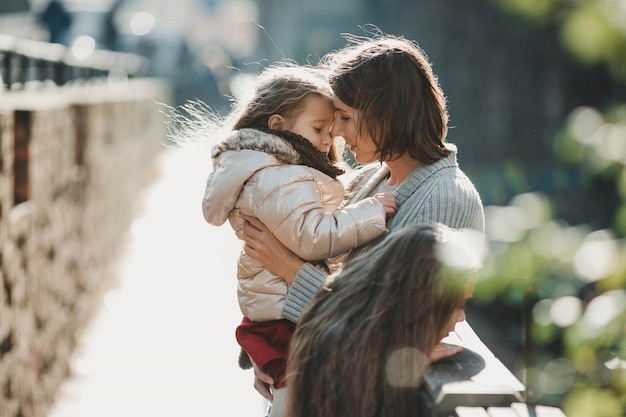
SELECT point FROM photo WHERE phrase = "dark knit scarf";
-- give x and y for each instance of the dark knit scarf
(309, 154)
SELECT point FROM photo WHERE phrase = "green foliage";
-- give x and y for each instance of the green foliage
(588, 33)
(572, 278)
(620, 220)
(536, 11)
(576, 278)
(596, 142)
(593, 31)
(589, 401)
(569, 149)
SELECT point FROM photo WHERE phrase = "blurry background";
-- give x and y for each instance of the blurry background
(537, 103)
(513, 71)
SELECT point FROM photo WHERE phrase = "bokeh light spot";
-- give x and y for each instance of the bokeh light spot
(596, 256)
(612, 144)
(602, 310)
(535, 206)
(559, 376)
(83, 46)
(405, 367)
(565, 311)
(541, 312)
(587, 34)
(463, 250)
(584, 122)
(557, 240)
(142, 23)
(505, 224)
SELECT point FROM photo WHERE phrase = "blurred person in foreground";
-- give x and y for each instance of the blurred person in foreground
(363, 345)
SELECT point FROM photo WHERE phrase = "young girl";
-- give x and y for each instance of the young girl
(277, 165)
(364, 344)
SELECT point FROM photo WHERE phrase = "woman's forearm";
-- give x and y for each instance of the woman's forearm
(305, 284)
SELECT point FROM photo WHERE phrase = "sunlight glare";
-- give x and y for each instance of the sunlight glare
(505, 224)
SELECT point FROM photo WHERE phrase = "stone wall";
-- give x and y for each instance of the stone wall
(72, 162)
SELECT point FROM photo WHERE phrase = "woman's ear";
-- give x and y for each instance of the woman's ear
(276, 122)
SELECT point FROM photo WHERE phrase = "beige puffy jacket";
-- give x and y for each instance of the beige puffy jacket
(257, 174)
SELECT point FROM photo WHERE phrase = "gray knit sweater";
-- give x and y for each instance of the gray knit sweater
(439, 192)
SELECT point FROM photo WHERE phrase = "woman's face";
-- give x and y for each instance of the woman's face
(458, 314)
(346, 125)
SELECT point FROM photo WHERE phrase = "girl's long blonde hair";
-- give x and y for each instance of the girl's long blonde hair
(279, 89)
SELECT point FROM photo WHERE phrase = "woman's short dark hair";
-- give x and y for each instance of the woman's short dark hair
(390, 81)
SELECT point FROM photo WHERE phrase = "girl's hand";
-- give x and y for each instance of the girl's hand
(389, 202)
(263, 246)
(443, 350)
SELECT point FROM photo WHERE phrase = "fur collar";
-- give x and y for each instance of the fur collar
(289, 148)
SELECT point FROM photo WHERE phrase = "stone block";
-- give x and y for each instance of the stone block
(73, 160)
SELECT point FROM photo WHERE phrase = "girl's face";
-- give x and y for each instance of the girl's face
(458, 314)
(346, 123)
(314, 122)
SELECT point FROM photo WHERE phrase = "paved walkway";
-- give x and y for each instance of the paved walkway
(163, 342)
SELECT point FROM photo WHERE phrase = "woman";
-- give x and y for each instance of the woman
(392, 114)
(278, 163)
(362, 346)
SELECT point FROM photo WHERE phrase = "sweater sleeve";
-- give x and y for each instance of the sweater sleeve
(308, 280)
(451, 200)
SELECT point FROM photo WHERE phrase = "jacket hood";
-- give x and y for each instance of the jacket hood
(244, 152)
(257, 140)
(235, 159)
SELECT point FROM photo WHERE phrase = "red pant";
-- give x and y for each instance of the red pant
(267, 344)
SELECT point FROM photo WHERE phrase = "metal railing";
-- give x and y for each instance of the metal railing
(26, 62)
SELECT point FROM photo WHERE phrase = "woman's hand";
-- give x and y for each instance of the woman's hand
(263, 246)
(443, 350)
(262, 383)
